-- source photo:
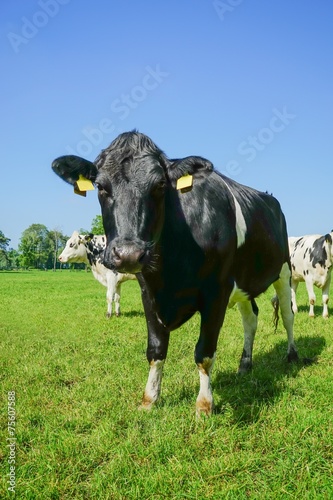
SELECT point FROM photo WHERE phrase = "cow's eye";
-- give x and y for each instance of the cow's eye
(159, 188)
(103, 190)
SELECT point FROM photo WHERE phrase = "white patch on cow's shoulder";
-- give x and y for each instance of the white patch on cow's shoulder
(240, 224)
(240, 221)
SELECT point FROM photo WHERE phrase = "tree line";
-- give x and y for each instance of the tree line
(39, 247)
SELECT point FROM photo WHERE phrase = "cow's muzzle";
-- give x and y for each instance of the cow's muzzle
(125, 258)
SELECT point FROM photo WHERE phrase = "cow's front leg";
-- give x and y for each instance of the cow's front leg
(158, 341)
(153, 386)
(205, 403)
(109, 299)
(157, 348)
(117, 299)
(212, 316)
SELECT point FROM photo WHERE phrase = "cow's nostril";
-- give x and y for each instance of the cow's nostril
(128, 258)
(141, 257)
(116, 253)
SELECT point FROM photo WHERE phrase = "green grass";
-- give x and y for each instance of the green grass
(79, 378)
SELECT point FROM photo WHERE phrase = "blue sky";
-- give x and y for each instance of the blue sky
(247, 84)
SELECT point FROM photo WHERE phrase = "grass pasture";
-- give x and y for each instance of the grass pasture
(78, 379)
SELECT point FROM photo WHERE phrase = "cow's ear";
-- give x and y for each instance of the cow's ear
(328, 238)
(192, 165)
(70, 167)
(88, 237)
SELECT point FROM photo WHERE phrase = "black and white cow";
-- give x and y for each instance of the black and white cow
(311, 261)
(197, 241)
(89, 249)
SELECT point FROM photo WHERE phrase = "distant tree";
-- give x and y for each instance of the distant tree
(4, 242)
(13, 258)
(35, 246)
(97, 225)
(58, 242)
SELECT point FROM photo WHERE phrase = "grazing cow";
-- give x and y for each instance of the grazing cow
(89, 250)
(197, 241)
(311, 261)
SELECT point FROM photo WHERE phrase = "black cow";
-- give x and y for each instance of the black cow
(206, 245)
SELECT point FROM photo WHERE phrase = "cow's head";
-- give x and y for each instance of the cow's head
(133, 177)
(329, 240)
(75, 249)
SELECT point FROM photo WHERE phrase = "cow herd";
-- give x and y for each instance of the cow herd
(196, 241)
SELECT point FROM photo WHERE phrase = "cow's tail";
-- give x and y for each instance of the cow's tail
(275, 303)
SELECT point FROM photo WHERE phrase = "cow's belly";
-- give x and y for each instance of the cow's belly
(318, 275)
(321, 280)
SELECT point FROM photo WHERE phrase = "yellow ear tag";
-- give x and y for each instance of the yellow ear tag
(185, 182)
(83, 185)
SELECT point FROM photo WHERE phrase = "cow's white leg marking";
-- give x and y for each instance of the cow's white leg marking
(250, 321)
(312, 297)
(283, 290)
(109, 298)
(326, 293)
(294, 286)
(205, 402)
(153, 386)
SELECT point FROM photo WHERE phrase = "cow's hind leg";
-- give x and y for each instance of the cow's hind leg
(283, 290)
(249, 311)
(294, 286)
